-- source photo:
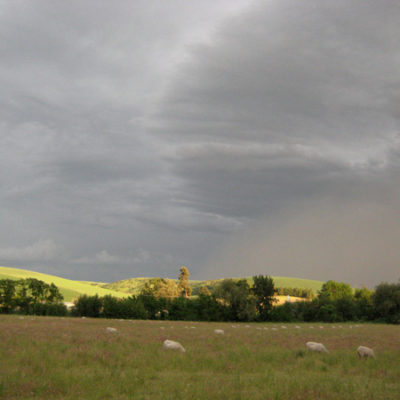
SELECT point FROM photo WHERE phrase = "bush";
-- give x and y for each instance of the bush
(87, 306)
(50, 309)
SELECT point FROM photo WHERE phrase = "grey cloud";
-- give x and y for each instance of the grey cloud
(352, 239)
(167, 128)
(42, 250)
(290, 98)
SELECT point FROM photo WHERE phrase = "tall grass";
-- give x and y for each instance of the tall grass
(56, 358)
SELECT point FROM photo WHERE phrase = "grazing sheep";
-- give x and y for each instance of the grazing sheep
(219, 332)
(297, 327)
(284, 327)
(364, 351)
(319, 347)
(111, 330)
(274, 329)
(171, 345)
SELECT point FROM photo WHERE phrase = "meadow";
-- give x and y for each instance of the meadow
(76, 358)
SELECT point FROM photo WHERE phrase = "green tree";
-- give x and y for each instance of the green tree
(364, 304)
(159, 287)
(184, 289)
(332, 291)
(205, 291)
(386, 301)
(263, 290)
(7, 295)
(236, 295)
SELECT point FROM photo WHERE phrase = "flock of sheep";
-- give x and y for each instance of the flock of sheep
(362, 351)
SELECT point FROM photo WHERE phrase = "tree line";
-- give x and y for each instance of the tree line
(230, 300)
(30, 296)
(235, 300)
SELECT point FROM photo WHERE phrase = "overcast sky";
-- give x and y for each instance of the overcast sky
(233, 137)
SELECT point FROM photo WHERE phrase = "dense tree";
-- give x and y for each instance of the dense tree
(332, 290)
(205, 291)
(386, 300)
(88, 306)
(364, 308)
(263, 290)
(237, 297)
(159, 287)
(25, 294)
(184, 288)
(7, 295)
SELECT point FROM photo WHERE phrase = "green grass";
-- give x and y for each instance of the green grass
(69, 289)
(55, 358)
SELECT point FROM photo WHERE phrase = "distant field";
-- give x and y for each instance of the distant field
(70, 289)
(65, 358)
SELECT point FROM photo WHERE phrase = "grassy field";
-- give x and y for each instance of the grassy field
(65, 358)
(69, 289)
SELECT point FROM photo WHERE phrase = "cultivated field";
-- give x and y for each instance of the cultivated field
(56, 358)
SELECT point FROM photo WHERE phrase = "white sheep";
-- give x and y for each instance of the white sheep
(219, 332)
(319, 347)
(364, 351)
(171, 345)
(111, 330)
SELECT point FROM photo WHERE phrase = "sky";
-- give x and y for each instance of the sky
(236, 138)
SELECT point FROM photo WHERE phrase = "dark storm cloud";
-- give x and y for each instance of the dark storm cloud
(135, 136)
(291, 102)
(83, 188)
(288, 100)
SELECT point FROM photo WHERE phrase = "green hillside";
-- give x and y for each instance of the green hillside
(134, 285)
(69, 289)
(72, 289)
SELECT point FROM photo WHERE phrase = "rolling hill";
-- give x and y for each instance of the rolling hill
(69, 289)
(134, 285)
